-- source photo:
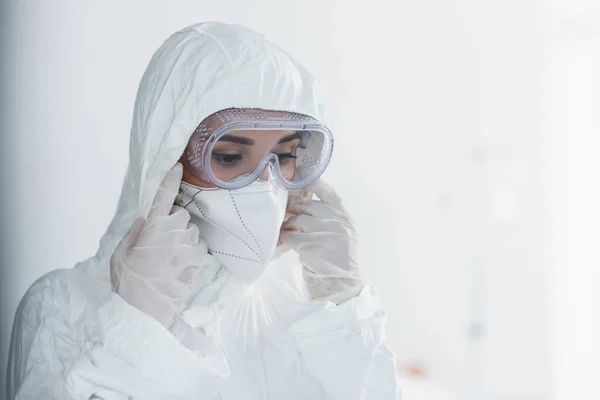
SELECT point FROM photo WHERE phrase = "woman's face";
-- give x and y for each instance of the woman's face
(240, 152)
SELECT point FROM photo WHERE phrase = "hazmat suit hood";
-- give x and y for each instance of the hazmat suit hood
(198, 71)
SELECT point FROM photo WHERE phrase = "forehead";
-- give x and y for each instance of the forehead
(260, 134)
(224, 117)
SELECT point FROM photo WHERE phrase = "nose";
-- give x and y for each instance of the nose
(267, 173)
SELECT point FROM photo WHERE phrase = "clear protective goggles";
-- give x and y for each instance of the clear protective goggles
(234, 147)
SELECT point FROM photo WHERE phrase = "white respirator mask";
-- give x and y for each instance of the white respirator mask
(240, 227)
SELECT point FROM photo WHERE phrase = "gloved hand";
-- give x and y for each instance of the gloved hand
(323, 233)
(155, 265)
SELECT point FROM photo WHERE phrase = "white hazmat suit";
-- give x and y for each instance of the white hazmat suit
(75, 338)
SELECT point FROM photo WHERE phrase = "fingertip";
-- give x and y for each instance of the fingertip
(308, 192)
(327, 194)
(290, 227)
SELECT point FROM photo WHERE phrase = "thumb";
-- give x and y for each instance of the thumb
(132, 236)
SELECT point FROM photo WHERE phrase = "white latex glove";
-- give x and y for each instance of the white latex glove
(323, 233)
(155, 265)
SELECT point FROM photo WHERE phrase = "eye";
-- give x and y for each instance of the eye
(286, 158)
(226, 160)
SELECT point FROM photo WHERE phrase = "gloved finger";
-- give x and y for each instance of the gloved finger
(168, 286)
(173, 238)
(189, 274)
(300, 223)
(166, 193)
(292, 239)
(178, 219)
(182, 269)
(327, 194)
(188, 255)
(176, 238)
(311, 224)
(315, 208)
(176, 209)
(194, 233)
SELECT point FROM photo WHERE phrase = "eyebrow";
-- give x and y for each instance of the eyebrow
(293, 136)
(250, 142)
(237, 139)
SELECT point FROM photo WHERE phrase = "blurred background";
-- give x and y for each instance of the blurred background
(468, 134)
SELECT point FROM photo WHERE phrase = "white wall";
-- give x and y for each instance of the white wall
(572, 147)
(438, 111)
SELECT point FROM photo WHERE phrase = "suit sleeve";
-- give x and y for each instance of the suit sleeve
(63, 347)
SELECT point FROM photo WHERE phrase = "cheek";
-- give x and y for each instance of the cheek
(189, 177)
(288, 170)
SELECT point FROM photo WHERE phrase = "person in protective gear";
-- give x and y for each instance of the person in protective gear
(229, 270)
